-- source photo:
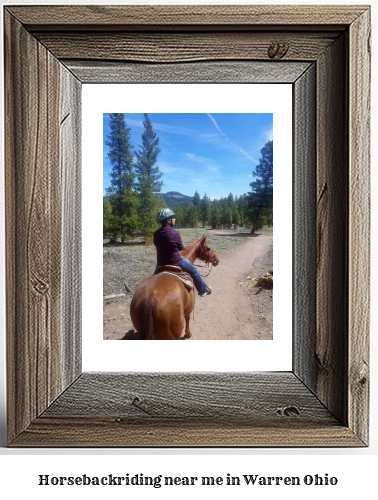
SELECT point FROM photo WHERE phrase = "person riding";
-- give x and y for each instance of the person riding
(168, 243)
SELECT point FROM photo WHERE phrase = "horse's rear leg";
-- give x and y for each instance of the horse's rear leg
(188, 333)
(169, 330)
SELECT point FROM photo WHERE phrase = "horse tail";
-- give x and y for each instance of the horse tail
(147, 322)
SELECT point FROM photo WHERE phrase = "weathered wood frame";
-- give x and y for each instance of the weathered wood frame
(324, 52)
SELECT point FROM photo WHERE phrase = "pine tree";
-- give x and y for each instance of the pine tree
(215, 215)
(260, 200)
(233, 204)
(226, 213)
(179, 211)
(193, 215)
(242, 208)
(184, 219)
(110, 229)
(195, 211)
(148, 183)
(235, 214)
(121, 193)
(187, 216)
(205, 208)
(196, 199)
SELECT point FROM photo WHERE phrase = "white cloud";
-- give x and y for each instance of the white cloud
(227, 139)
(207, 164)
(134, 123)
(168, 169)
(172, 129)
(162, 127)
(216, 125)
(248, 156)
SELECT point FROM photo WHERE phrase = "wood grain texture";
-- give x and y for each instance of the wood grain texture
(70, 161)
(180, 47)
(304, 227)
(175, 396)
(100, 432)
(324, 402)
(34, 187)
(173, 16)
(170, 410)
(332, 230)
(201, 72)
(33, 228)
(359, 226)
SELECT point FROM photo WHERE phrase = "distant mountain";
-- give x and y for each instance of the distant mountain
(173, 198)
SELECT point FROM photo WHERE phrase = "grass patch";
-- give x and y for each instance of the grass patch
(132, 263)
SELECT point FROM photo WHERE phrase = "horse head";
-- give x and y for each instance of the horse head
(206, 253)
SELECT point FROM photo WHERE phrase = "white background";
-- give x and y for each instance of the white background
(355, 468)
(207, 355)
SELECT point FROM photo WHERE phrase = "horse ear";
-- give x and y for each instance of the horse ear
(203, 239)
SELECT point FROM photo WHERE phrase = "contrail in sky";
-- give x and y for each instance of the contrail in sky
(227, 139)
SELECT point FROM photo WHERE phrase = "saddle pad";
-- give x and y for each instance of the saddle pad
(187, 282)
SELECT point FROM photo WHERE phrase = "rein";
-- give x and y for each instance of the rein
(209, 258)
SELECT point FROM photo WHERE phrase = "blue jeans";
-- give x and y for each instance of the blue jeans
(192, 270)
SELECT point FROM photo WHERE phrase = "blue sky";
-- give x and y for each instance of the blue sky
(209, 153)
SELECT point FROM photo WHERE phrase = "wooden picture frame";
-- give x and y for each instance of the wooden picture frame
(323, 51)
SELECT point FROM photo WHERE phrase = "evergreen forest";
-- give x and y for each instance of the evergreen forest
(134, 196)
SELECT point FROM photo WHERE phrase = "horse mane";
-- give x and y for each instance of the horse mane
(192, 246)
(188, 250)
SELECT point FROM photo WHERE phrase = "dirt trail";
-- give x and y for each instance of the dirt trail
(234, 311)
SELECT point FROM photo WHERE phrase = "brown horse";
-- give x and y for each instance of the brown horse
(161, 303)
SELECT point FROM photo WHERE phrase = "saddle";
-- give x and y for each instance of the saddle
(179, 273)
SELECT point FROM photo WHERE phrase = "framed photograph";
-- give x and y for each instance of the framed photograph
(204, 162)
(210, 152)
(323, 52)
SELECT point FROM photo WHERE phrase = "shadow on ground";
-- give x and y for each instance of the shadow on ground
(125, 244)
(235, 235)
(131, 335)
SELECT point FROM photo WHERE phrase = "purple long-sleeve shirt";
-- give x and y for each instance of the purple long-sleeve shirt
(168, 244)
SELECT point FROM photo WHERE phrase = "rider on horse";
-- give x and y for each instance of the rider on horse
(169, 244)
